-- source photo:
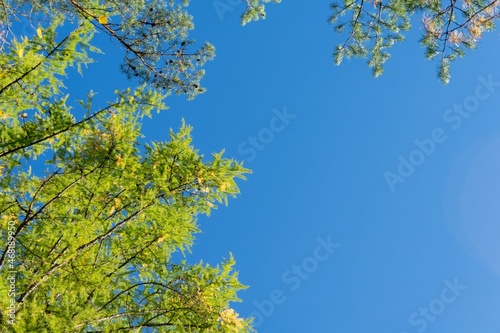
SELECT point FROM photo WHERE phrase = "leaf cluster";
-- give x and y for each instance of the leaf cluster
(154, 36)
(96, 214)
(449, 29)
(255, 10)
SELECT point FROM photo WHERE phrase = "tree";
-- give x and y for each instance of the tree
(255, 10)
(450, 29)
(371, 27)
(153, 34)
(91, 215)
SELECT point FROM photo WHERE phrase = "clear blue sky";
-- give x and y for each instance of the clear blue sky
(421, 255)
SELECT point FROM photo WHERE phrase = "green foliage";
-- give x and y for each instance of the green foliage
(94, 214)
(153, 34)
(32, 106)
(371, 27)
(255, 10)
(369, 33)
(449, 29)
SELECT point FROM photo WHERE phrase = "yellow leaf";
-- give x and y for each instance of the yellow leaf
(103, 19)
(119, 160)
(39, 32)
(20, 53)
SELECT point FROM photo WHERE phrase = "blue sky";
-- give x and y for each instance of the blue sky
(431, 242)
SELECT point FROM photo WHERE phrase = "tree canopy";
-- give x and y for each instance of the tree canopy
(368, 29)
(371, 28)
(91, 215)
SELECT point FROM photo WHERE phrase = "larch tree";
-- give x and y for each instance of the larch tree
(154, 36)
(91, 216)
(450, 28)
(369, 28)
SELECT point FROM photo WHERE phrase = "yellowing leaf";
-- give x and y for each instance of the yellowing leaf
(39, 32)
(20, 53)
(102, 19)
(119, 160)
(230, 317)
